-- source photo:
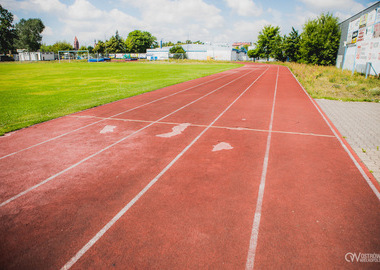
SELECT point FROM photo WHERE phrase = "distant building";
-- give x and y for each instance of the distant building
(239, 44)
(201, 52)
(35, 56)
(360, 41)
(76, 44)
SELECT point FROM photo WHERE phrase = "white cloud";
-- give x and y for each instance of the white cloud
(166, 19)
(247, 31)
(34, 5)
(179, 12)
(181, 19)
(332, 5)
(47, 31)
(342, 16)
(244, 7)
(84, 20)
(300, 17)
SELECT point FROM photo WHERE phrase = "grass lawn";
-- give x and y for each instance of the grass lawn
(31, 93)
(333, 83)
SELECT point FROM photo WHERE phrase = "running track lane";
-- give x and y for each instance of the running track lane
(100, 186)
(33, 167)
(200, 212)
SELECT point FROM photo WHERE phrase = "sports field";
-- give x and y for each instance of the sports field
(237, 170)
(31, 93)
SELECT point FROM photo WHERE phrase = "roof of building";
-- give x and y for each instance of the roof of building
(195, 48)
(241, 44)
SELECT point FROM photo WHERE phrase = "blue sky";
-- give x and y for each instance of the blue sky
(205, 20)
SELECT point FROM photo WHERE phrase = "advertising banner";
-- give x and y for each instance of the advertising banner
(354, 36)
(363, 21)
(377, 20)
(376, 30)
(371, 18)
(361, 35)
(368, 51)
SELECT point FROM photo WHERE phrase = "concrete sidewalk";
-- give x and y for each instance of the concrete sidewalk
(359, 123)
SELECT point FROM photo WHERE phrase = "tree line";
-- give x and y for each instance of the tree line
(169, 43)
(317, 44)
(136, 42)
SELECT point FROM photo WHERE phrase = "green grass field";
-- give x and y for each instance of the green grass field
(31, 93)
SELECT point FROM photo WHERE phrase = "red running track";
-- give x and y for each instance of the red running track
(236, 170)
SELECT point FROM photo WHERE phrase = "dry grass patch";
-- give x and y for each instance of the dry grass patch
(333, 83)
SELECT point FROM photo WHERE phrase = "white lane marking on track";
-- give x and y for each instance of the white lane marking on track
(175, 130)
(64, 134)
(107, 129)
(222, 146)
(86, 247)
(256, 221)
(362, 172)
(222, 127)
(113, 144)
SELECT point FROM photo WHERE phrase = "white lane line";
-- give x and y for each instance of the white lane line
(72, 131)
(221, 127)
(256, 221)
(362, 172)
(113, 144)
(90, 243)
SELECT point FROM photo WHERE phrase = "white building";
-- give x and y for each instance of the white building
(201, 52)
(35, 56)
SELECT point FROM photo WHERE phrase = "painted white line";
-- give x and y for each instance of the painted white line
(221, 127)
(129, 110)
(256, 221)
(87, 246)
(222, 146)
(113, 144)
(362, 172)
(107, 129)
(176, 130)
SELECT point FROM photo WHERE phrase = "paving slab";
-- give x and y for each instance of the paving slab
(359, 123)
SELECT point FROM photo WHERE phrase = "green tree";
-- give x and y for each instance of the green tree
(177, 49)
(7, 31)
(167, 44)
(61, 46)
(115, 44)
(292, 45)
(29, 34)
(279, 48)
(269, 37)
(99, 47)
(253, 54)
(90, 49)
(320, 40)
(178, 52)
(138, 41)
(82, 48)
(46, 48)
